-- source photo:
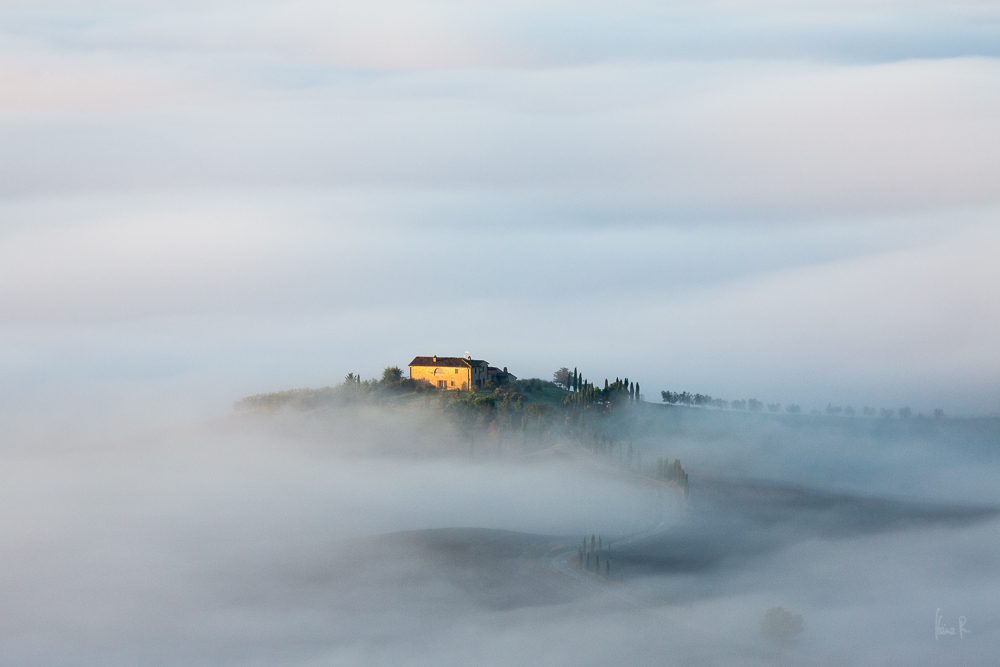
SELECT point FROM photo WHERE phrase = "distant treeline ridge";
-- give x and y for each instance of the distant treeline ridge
(754, 405)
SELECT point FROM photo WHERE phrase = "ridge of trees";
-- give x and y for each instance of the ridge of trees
(352, 389)
(754, 405)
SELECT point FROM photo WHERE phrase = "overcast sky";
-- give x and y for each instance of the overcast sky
(794, 201)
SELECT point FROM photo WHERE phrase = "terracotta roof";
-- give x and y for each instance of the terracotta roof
(457, 362)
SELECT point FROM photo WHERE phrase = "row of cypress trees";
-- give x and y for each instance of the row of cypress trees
(583, 553)
(584, 392)
(672, 472)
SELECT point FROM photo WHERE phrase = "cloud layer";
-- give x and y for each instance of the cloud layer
(773, 197)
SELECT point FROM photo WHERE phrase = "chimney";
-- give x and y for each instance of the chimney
(435, 358)
(504, 369)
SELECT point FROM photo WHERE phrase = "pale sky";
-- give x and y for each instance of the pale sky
(793, 201)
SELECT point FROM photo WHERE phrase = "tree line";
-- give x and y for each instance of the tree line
(353, 389)
(583, 394)
(754, 405)
(673, 472)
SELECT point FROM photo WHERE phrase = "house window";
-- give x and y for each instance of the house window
(441, 384)
(456, 372)
(452, 383)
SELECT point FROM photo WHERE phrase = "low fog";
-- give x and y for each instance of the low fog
(385, 533)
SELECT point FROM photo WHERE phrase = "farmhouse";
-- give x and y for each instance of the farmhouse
(498, 376)
(450, 372)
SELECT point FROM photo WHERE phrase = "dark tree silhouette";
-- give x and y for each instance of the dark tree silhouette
(392, 375)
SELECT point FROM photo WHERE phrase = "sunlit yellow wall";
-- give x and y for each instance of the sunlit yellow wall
(457, 378)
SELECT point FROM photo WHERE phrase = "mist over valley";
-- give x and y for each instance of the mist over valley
(763, 233)
(361, 527)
